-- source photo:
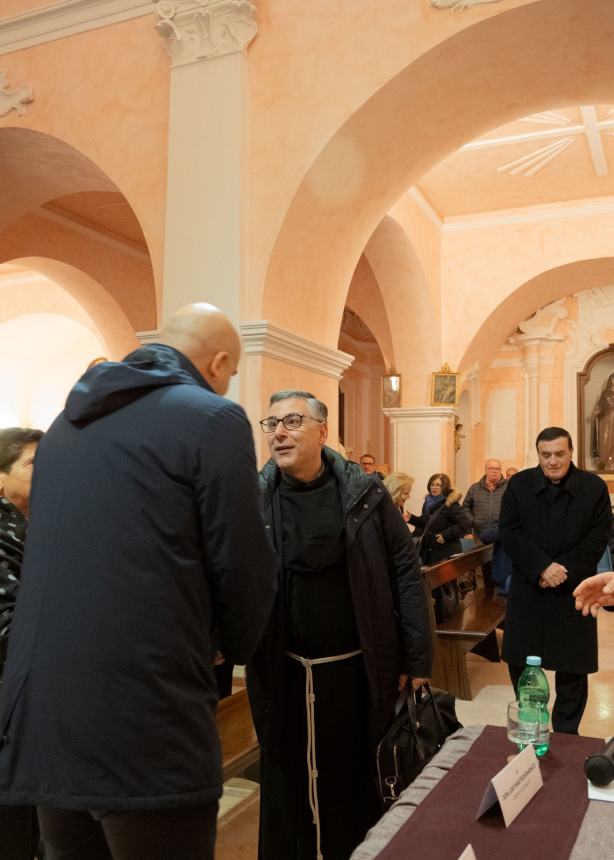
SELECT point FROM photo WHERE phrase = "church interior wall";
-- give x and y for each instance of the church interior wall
(126, 273)
(104, 92)
(342, 118)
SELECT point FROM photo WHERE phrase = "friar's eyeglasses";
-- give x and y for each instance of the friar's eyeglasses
(291, 421)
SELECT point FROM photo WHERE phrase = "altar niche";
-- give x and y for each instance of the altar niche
(596, 414)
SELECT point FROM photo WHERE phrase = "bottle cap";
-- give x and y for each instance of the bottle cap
(534, 661)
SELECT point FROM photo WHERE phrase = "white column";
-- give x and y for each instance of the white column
(207, 150)
(537, 357)
(422, 443)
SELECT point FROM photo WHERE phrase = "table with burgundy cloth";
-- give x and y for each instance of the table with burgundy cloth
(434, 819)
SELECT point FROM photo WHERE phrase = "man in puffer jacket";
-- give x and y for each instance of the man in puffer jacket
(483, 503)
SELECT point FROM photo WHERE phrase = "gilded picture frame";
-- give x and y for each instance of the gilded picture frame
(391, 391)
(444, 387)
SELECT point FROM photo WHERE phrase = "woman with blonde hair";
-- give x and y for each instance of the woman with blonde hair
(399, 486)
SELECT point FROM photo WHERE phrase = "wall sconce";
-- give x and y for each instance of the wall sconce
(391, 390)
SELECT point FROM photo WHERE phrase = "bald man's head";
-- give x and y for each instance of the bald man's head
(207, 337)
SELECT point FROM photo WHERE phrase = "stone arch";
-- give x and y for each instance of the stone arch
(54, 320)
(412, 315)
(548, 286)
(410, 124)
(38, 169)
(105, 315)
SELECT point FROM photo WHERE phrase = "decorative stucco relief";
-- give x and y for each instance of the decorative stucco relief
(459, 5)
(198, 29)
(13, 99)
(544, 321)
(595, 312)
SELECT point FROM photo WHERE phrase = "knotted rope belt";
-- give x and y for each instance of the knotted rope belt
(310, 699)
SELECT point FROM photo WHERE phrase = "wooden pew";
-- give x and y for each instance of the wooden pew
(237, 734)
(472, 627)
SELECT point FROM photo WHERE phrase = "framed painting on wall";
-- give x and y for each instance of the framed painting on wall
(391, 391)
(444, 387)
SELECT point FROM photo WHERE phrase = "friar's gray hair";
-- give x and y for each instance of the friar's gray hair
(318, 410)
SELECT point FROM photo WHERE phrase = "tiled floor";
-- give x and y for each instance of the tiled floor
(238, 830)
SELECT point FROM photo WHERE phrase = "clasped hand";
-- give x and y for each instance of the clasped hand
(555, 574)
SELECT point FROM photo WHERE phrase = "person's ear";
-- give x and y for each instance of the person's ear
(323, 433)
(217, 368)
(2, 479)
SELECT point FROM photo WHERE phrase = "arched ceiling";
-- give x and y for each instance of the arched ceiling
(553, 284)
(542, 56)
(549, 157)
(37, 168)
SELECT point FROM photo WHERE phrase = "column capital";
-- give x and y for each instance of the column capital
(263, 338)
(197, 30)
(421, 414)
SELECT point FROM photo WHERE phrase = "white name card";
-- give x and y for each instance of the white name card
(514, 786)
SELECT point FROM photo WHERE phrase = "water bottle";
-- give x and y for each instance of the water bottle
(533, 688)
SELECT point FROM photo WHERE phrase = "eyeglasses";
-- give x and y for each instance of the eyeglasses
(292, 421)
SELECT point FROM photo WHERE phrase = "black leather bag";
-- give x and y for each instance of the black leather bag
(447, 600)
(422, 723)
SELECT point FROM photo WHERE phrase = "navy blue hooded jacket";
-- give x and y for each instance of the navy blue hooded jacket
(145, 535)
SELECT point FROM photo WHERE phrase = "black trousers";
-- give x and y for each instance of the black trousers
(187, 833)
(18, 832)
(570, 702)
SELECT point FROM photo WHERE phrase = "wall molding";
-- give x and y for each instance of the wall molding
(66, 19)
(408, 414)
(264, 338)
(145, 337)
(477, 222)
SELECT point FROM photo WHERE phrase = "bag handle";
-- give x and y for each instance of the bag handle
(434, 705)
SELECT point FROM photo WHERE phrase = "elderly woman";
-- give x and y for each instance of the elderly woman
(399, 486)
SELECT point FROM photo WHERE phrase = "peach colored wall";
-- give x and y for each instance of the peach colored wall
(392, 139)
(487, 264)
(365, 298)
(125, 273)
(47, 339)
(298, 53)
(105, 92)
(108, 319)
(364, 421)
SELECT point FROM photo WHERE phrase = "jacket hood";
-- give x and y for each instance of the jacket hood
(111, 385)
(453, 496)
(352, 481)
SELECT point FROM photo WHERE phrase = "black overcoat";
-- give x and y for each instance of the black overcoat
(144, 531)
(572, 530)
(449, 520)
(388, 596)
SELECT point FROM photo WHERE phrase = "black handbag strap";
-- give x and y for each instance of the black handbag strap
(409, 701)
(431, 520)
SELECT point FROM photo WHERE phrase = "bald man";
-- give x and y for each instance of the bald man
(144, 530)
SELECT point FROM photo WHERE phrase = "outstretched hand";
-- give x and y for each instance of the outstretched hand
(595, 592)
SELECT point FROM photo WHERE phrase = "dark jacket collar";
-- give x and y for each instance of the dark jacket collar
(351, 480)
(571, 483)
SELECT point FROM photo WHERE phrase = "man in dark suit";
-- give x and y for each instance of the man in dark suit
(144, 530)
(555, 523)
